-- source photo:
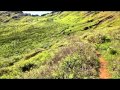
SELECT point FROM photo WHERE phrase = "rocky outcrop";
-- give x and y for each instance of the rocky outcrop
(11, 13)
(6, 16)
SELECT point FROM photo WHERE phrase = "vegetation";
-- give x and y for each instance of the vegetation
(58, 45)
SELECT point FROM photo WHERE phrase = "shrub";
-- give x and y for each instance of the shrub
(4, 71)
(28, 67)
(81, 63)
(113, 52)
(99, 39)
(115, 67)
(75, 66)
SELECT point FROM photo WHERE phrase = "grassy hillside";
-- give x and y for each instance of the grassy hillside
(59, 45)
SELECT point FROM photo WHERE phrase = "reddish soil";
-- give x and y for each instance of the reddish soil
(103, 71)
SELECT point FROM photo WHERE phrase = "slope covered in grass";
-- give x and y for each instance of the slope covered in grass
(59, 44)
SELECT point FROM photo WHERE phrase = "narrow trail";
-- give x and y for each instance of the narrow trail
(103, 71)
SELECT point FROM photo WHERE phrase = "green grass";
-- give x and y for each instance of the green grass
(59, 35)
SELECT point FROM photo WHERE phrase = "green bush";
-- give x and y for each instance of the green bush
(82, 63)
(27, 67)
(113, 52)
(75, 66)
(99, 39)
(115, 67)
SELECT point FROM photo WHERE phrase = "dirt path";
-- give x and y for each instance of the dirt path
(104, 74)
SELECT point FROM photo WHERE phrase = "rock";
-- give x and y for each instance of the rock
(35, 15)
(15, 17)
(26, 14)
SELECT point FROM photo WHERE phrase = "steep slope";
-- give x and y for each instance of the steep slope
(59, 44)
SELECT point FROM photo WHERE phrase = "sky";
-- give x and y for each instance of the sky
(37, 12)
